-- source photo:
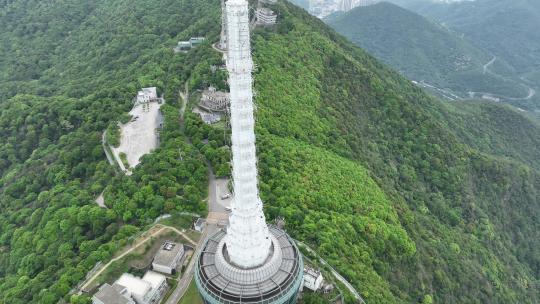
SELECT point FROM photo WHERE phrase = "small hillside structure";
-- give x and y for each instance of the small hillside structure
(184, 46)
(313, 279)
(199, 224)
(115, 294)
(214, 100)
(328, 288)
(148, 290)
(146, 95)
(195, 41)
(168, 257)
(266, 16)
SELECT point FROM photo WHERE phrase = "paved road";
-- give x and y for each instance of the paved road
(185, 99)
(218, 189)
(183, 283)
(103, 143)
(487, 65)
(216, 216)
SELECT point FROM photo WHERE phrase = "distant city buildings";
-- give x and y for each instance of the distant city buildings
(168, 257)
(323, 8)
(129, 289)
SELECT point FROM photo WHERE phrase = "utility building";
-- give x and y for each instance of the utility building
(250, 262)
(148, 290)
(146, 95)
(313, 279)
(168, 257)
(115, 294)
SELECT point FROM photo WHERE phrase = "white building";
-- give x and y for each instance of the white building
(115, 294)
(147, 290)
(266, 16)
(313, 279)
(146, 95)
(167, 258)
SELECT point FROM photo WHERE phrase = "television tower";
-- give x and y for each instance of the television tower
(251, 262)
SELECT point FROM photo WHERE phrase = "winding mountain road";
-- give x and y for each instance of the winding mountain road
(487, 65)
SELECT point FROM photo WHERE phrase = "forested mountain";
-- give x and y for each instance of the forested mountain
(508, 29)
(427, 52)
(390, 185)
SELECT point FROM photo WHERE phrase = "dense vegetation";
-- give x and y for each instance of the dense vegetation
(388, 184)
(426, 51)
(69, 71)
(507, 29)
(451, 199)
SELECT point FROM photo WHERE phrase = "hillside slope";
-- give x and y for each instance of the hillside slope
(444, 190)
(424, 50)
(362, 164)
(506, 28)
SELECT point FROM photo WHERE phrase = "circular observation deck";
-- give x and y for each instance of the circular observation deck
(277, 281)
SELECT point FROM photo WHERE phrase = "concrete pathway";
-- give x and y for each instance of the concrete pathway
(100, 200)
(104, 144)
(216, 217)
(184, 282)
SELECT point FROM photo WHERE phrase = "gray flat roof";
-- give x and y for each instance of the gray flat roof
(110, 295)
(167, 253)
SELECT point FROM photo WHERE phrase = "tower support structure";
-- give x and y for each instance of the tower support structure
(250, 262)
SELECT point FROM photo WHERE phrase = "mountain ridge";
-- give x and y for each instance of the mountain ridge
(427, 52)
(353, 156)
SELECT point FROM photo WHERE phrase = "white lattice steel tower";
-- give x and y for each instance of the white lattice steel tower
(223, 37)
(248, 239)
(251, 262)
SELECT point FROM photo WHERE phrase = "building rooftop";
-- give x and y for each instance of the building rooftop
(167, 253)
(200, 221)
(312, 272)
(266, 11)
(134, 285)
(213, 92)
(155, 279)
(111, 295)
